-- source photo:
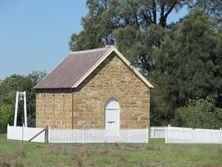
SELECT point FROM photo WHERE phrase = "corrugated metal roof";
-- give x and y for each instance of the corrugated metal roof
(72, 68)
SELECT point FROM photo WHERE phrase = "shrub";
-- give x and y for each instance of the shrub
(6, 116)
(201, 113)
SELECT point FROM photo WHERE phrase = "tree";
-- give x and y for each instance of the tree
(115, 21)
(213, 8)
(187, 66)
(8, 88)
(5, 116)
(139, 45)
(218, 71)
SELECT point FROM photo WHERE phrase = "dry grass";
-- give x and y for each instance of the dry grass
(155, 154)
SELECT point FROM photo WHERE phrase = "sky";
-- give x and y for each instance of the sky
(34, 34)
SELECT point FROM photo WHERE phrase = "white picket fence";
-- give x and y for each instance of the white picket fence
(77, 135)
(189, 135)
(171, 134)
(25, 133)
(97, 136)
(157, 132)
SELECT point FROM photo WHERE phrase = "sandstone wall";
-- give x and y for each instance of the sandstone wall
(54, 109)
(112, 79)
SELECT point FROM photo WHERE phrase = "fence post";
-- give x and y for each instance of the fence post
(165, 129)
(7, 131)
(82, 138)
(154, 132)
(22, 131)
(193, 135)
(220, 140)
(149, 132)
(166, 135)
(47, 134)
(148, 137)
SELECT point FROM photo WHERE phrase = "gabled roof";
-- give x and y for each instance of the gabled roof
(75, 68)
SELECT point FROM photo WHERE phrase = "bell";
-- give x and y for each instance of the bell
(20, 97)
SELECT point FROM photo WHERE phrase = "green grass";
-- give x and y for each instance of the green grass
(16, 153)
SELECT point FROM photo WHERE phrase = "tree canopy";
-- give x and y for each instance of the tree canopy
(134, 26)
(213, 8)
(8, 88)
(187, 64)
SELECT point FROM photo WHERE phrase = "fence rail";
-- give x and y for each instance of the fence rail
(189, 135)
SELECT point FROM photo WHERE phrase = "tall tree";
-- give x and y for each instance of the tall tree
(114, 21)
(187, 65)
(218, 61)
(213, 8)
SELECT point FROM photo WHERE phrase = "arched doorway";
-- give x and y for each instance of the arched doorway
(112, 117)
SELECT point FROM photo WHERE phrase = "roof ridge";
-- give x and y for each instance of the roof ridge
(89, 50)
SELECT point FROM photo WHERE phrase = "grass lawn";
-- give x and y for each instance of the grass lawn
(14, 153)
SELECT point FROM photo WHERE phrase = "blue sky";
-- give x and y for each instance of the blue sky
(34, 34)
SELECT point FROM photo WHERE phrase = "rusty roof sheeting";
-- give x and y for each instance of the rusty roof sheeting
(72, 68)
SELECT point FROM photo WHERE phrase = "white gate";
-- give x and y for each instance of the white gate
(26, 133)
(112, 117)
